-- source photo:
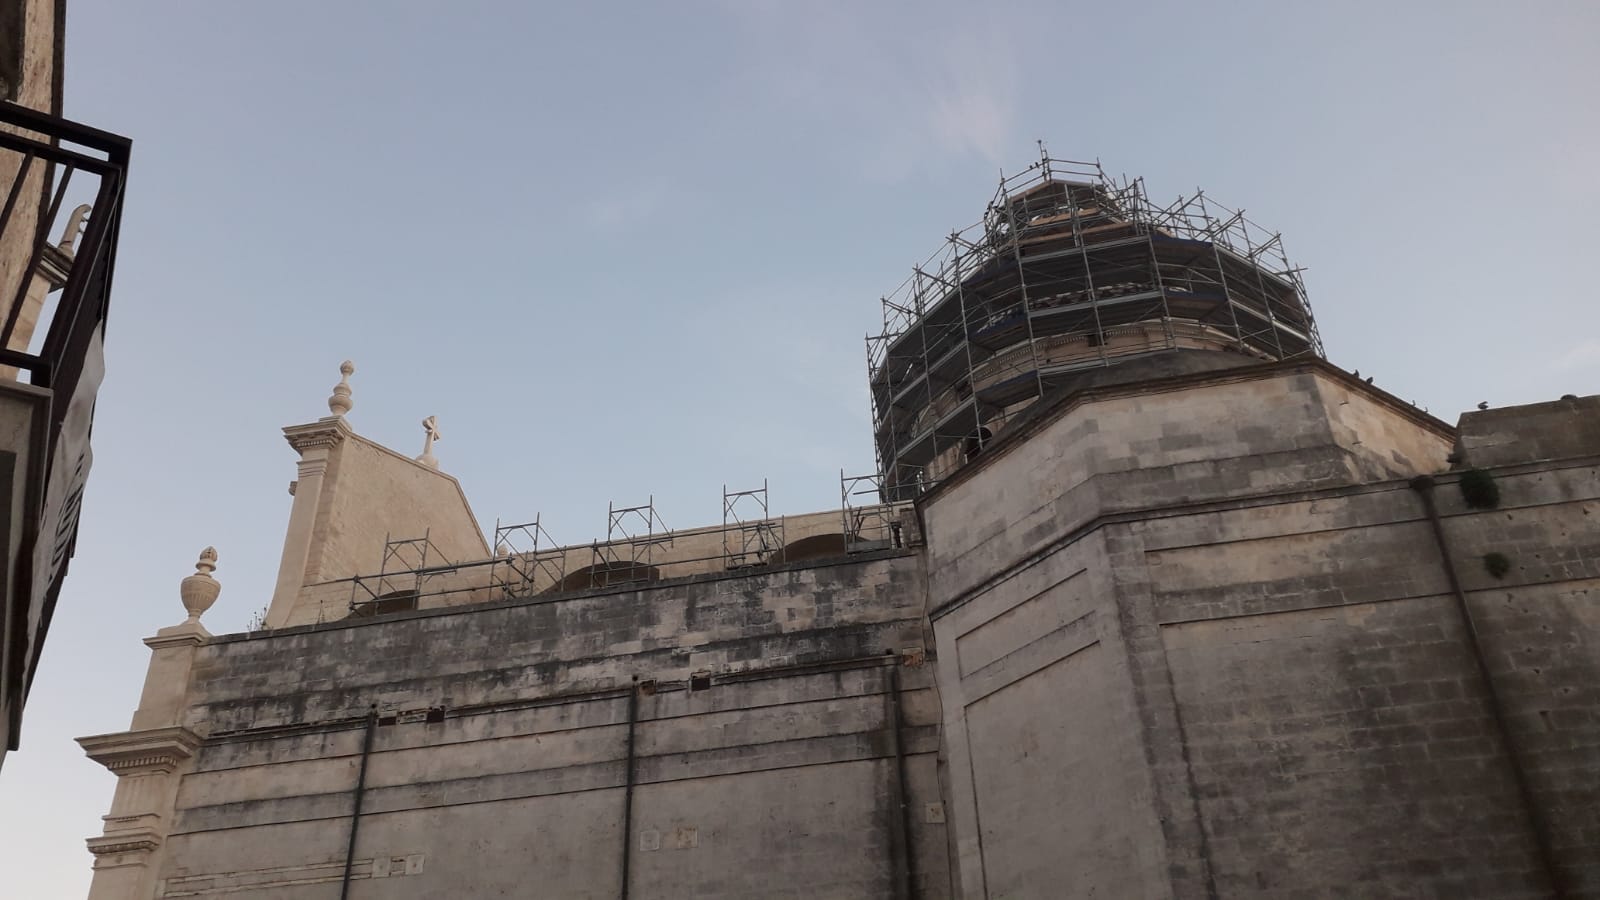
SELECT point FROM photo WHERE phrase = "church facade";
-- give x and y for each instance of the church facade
(1147, 600)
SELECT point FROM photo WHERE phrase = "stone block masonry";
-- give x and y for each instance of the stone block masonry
(1265, 689)
(765, 731)
(1205, 636)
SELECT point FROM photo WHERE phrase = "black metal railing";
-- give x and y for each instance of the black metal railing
(56, 178)
(59, 156)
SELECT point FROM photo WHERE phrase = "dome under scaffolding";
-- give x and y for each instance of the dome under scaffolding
(1069, 271)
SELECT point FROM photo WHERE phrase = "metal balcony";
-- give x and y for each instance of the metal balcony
(57, 178)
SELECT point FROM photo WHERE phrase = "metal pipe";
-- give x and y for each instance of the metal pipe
(1424, 485)
(361, 791)
(627, 791)
(901, 790)
(1022, 285)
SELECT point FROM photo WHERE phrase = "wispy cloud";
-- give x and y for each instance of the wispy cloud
(898, 95)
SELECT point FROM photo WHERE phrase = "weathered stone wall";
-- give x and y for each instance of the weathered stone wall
(1265, 681)
(376, 494)
(1199, 637)
(1558, 429)
(39, 90)
(1210, 436)
(1040, 735)
(778, 775)
(1539, 625)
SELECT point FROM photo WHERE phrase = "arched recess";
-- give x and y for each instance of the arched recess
(384, 604)
(817, 546)
(604, 574)
(977, 440)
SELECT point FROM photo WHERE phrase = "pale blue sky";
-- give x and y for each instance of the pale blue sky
(624, 249)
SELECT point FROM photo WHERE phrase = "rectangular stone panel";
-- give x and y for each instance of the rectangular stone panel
(1348, 748)
(1053, 801)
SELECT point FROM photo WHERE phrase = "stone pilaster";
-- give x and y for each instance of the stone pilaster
(317, 444)
(151, 757)
(148, 764)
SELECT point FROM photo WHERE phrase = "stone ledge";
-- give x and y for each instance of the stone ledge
(154, 750)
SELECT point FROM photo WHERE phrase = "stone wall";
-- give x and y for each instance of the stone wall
(1228, 634)
(38, 56)
(770, 745)
(1260, 683)
(377, 494)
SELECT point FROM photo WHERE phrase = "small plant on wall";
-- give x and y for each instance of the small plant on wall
(1496, 564)
(1478, 488)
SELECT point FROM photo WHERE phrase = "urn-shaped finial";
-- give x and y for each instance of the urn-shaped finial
(200, 590)
(340, 403)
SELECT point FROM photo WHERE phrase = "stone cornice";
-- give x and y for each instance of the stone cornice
(151, 751)
(188, 634)
(326, 432)
(1049, 410)
(141, 840)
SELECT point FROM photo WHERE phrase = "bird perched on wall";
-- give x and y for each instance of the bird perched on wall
(1483, 405)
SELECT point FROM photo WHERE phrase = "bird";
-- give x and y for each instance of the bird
(1483, 405)
(1369, 379)
(1356, 373)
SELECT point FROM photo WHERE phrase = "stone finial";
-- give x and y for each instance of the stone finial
(69, 235)
(200, 590)
(340, 402)
(430, 428)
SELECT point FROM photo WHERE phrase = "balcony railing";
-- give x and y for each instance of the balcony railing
(60, 156)
(64, 180)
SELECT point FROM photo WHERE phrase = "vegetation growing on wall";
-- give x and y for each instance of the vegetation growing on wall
(1478, 488)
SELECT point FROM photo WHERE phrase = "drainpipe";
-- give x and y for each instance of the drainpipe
(627, 791)
(1424, 486)
(361, 791)
(901, 790)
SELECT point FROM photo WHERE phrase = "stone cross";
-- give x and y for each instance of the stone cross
(430, 428)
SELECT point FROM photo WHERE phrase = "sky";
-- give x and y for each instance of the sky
(626, 251)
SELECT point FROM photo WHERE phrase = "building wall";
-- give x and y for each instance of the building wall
(37, 56)
(1195, 637)
(1040, 732)
(780, 777)
(1276, 667)
(381, 491)
(1323, 689)
(1540, 629)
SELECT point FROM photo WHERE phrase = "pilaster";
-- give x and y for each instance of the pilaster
(151, 757)
(317, 443)
(148, 764)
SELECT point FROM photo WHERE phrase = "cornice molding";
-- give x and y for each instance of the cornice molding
(190, 634)
(151, 751)
(327, 432)
(143, 840)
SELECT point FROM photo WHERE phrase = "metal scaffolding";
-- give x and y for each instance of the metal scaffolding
(632, 535)
(527, 563)
(527, 560)
(1068, 270)
(408, 564)
(750, 536)
(868, 524)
